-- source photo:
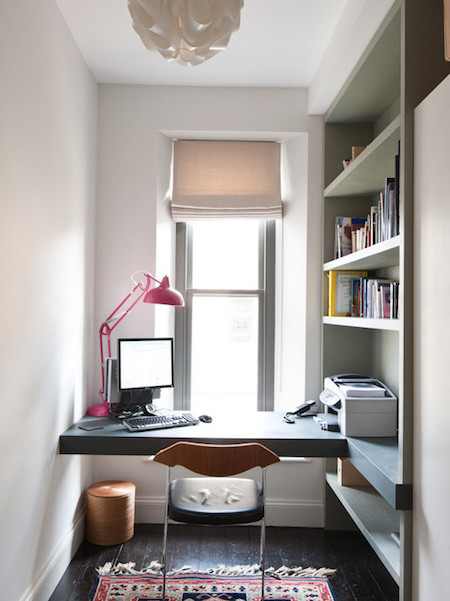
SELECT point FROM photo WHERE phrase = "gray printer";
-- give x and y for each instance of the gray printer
(364, 405)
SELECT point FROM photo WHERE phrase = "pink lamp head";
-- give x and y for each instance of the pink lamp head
(164, 295)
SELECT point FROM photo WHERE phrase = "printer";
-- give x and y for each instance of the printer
(364, 405)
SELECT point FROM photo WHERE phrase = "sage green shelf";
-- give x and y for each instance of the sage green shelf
(366, 175)
(374, 517)
(392, 325)
(381, 255)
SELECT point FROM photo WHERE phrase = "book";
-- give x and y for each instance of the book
(340, 291)
(447, 29)
(356, 297)
(345, 235)
(344, 228)
(397, 193)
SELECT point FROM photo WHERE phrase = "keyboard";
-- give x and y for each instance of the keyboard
(157, 422)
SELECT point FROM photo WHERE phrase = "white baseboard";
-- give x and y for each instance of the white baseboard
(279, 512)
(296, 514)
(44, 583)
(149, 510)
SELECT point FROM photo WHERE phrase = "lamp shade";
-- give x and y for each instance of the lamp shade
(186, 31)
(164, 295)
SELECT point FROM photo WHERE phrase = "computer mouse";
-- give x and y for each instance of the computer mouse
(207, 419)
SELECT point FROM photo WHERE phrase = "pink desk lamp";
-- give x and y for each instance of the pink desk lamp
(161, 295)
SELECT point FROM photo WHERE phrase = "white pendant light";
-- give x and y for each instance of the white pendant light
(187, 31)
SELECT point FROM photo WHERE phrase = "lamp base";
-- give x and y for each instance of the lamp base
(99, 410)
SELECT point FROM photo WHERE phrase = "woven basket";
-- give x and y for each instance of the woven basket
(110, 512)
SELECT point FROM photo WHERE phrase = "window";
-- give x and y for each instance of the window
(224, 338)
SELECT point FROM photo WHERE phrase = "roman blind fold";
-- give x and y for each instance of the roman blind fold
(226, 179)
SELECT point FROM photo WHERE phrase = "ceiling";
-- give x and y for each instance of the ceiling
(279, 44)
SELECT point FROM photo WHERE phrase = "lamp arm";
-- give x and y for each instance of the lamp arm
(117, 316)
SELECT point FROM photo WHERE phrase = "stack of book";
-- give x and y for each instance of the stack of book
(355, 294)
(376, 298)
(382, 222)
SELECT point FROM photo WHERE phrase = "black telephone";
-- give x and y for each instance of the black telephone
(297, 412)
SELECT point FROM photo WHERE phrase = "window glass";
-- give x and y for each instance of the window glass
(225, 254)
(224, 351)
(224, 360)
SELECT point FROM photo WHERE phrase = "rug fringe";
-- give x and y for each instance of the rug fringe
(110, 568)
(240, 570)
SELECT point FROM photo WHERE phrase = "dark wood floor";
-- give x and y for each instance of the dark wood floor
(360, 575)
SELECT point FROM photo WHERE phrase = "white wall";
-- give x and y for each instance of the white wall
(431, 518)
(136, 124)
(47, 164)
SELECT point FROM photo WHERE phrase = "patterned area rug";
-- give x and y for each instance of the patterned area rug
(209, 587)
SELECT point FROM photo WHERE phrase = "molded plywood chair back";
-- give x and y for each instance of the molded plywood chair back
(216, 498)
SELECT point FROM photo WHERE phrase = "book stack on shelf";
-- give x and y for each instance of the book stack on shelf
(355, 294)
(382, 222)
(375, 298)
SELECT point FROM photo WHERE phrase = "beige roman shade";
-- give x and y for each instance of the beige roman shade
(226, 179)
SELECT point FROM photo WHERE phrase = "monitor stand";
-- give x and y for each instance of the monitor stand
(139, 400)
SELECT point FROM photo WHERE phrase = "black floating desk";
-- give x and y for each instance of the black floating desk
(376, 458)
(302, 439)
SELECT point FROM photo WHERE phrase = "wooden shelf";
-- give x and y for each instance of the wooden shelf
(383, 254)
(392, 325)
(367, 173)
(374, 518)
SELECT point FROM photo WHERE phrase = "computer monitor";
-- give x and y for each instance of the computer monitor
(143, 365)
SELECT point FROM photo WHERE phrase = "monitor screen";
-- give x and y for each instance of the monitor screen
(145, 363)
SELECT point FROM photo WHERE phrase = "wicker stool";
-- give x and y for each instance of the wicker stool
(110, 512)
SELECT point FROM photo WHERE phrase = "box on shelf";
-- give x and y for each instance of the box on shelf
(348, 475)
(356, 151)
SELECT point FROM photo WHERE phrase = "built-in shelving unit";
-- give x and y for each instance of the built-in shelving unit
(402, 64)
(369, 112)
(375, 109)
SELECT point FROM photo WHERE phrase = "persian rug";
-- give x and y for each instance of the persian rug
(129, 585)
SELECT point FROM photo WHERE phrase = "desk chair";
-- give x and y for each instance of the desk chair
(216, 498)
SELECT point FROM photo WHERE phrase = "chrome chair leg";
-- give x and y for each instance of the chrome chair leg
(166, 525)
(262, 546)
(262, 556)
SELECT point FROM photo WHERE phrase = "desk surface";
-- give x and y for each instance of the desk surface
(376, 458)
(304, 438)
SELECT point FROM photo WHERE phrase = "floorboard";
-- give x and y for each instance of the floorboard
(360, 575)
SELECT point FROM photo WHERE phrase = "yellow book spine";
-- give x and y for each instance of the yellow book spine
(340, 291)
(331, 293)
